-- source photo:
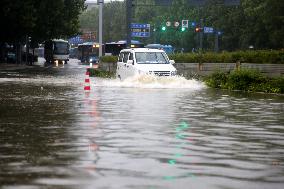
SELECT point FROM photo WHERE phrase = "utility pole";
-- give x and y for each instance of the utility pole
(128, 22)
(101, 3)
(27, 49)
(216, 48)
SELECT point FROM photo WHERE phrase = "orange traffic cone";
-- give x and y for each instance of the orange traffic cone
(87, 86)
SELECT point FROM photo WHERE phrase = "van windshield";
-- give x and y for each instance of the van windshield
(61, 48)
(151, 58)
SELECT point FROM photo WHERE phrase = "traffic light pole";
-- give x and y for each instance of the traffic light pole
(201, 35)
(128, 22)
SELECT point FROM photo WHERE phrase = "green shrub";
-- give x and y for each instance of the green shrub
(217, 80)
(186, 57)
(278, 83)
(110, 59)
(246, 80)
(100, 73)
(261, 56)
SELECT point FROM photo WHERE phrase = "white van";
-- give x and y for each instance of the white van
(144, 61)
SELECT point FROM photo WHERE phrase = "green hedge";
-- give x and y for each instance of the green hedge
(108, 59)
(261, 56)
(246, 80)
(100, 73)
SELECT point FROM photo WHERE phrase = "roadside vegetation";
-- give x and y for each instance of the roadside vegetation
(35, 21)
(260, 56)
(100, 73)
(245, 80)
(252, 24)
(110, 59)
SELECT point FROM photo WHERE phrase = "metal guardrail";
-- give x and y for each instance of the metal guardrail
(189, 69)
(203, 69)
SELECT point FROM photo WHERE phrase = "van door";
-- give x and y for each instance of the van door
(122, 66)
(131, 66)
(125, 65)
(119, 66)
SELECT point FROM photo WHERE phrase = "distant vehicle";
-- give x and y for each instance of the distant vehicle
(11, 57)
(144, 61)
(114, 48)
(56, 49)
(88, 51)
(74, 52)
(9, 53)
(167, 48)
(93, 59)
(39, 51)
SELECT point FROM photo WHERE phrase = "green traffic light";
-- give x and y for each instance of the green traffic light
(163, 28)
(182, 29)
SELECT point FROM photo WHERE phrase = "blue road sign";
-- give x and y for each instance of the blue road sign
(208, 30)
(76, 40)
(140, 30)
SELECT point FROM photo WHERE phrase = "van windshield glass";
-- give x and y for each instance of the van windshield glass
(151, 58)
(61, 48)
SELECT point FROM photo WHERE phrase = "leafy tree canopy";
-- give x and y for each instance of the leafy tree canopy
(41, 20)
(257, 23)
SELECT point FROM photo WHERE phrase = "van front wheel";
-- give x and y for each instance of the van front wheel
(119, 77)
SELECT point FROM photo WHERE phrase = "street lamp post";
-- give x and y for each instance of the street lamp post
(101, 3)
(128, 22)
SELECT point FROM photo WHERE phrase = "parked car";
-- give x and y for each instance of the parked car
(144, 61)
(11, 57)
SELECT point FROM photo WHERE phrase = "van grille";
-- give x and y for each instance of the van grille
(162, 73)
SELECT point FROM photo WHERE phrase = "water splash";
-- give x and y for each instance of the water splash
(138, 81)
(151, 81)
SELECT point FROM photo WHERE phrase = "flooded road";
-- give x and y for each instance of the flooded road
(143, 133)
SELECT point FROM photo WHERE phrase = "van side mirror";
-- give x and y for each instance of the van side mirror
(172, 62)
(130, 62)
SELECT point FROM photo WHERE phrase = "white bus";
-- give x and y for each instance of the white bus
(56, 49)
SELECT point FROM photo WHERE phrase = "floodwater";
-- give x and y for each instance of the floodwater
(143, 133)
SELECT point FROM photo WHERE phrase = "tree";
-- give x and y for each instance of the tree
(258, 23)
(57, 18)
(41, 20)
(18, 19)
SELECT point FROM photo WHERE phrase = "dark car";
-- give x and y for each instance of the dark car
(93, 59)
(11, 57)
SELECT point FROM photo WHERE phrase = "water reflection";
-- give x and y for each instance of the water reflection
(33, 131)
(183, 141)
(54, 135)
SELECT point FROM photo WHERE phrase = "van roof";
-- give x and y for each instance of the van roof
(59, 40)
(142, 50)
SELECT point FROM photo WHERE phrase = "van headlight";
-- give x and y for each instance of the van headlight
(173, 73)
